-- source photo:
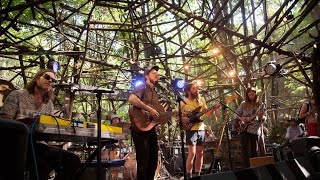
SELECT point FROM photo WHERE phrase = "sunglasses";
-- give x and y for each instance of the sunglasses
(47, 77)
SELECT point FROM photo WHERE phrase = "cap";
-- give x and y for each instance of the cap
(114, 116)
(294, 119)
(148, 69)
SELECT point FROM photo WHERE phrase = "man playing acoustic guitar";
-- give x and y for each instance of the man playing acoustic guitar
(195, 128)
(145, 100)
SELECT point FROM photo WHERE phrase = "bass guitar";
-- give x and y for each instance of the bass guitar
(144, 121)
(194, 116)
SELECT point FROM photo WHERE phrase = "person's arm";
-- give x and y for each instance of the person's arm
(10, 106)
(214, 109)
(239, 112)
(287, 134)
(304, 111)
(134, 100)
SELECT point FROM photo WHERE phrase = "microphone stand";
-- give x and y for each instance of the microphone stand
(224, 108)
(99, 95)
(179, 99)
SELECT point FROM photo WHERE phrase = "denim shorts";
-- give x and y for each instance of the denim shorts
(195, 137)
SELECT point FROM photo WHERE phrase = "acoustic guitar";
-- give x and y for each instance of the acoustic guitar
(144, 121)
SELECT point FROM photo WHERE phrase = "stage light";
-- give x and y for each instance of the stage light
(137, 81)
(231, 72)
(186, 67)
(54, 65)
(272, 69)
(199, 82)
(178, 83)
(215, 51)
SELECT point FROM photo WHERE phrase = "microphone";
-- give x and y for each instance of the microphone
(102, 91)
(164, 78)
(63, 85)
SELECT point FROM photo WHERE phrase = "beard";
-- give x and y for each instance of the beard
(154, 81)
(195, 95)
(43, 89)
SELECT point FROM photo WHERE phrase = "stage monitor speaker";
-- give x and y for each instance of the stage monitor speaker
(91, 173)
(14, 142)
(246, 174)
(302, 168)
(284, 171)
(301, 146)
(262, 173)
(229, 175)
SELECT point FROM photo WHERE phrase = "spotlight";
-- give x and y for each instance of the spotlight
(137, 81)
(54, 65)
(272, 69)
(199, 82)
(215, 51)
(186, 67)
(178, 83)
(231, 72)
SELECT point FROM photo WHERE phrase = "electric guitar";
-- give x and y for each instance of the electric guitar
(194, 116)
(144, 121)
(241, 125)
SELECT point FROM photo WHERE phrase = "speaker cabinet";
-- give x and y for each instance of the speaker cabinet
(229, 175)
(301, 146)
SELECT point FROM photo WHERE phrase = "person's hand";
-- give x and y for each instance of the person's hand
(217, 106)
(185, 119)
(154, 112)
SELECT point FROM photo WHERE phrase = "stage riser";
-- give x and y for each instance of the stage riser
(295, 169)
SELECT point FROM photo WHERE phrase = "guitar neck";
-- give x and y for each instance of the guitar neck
(205, 111)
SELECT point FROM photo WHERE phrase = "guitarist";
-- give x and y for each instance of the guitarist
(195, 136)
(146, 143)
(248, 110)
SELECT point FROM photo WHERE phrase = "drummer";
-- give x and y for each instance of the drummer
(122, 148)
(115, 119)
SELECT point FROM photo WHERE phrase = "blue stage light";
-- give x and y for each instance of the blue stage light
(137, 81)
(178, 83)
(54, 65)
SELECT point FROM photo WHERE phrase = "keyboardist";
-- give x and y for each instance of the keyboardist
(36, 99)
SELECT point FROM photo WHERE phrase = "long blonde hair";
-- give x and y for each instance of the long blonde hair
(33, 83)
(251, 104)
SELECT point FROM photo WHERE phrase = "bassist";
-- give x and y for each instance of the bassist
(248, 110)
(146, 143)
(195, 136)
